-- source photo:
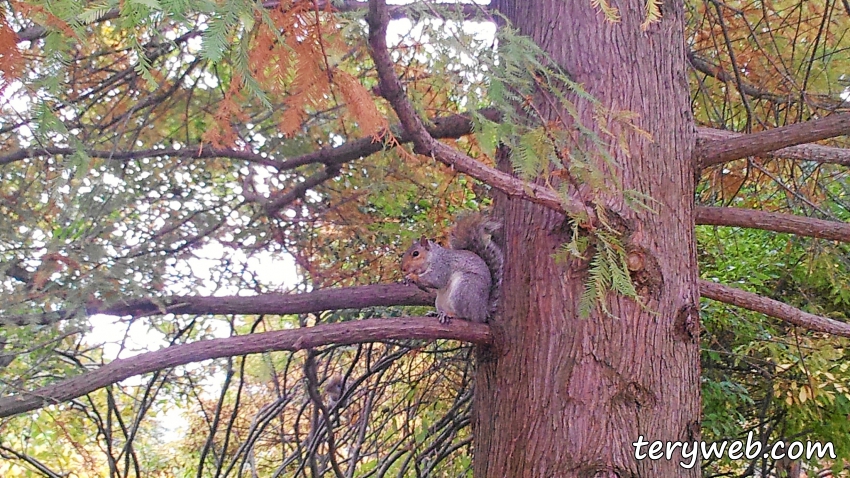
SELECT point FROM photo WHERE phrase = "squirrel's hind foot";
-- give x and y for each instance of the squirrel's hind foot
(443, 317)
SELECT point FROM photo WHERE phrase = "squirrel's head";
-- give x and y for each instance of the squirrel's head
(415, 258)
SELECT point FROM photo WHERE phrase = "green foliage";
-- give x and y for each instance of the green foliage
(521, 71)
(607, 273)
(760, 373)
(218, 36)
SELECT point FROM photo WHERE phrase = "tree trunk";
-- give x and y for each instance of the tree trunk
(561, 395)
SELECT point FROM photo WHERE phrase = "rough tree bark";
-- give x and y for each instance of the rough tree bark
(565, 396)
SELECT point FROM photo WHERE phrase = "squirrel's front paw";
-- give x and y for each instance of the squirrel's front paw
(444, 318)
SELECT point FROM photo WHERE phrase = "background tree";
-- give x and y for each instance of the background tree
(157, 153)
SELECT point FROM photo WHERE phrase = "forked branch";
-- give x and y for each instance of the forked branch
(773, 221)
(773, 308)
(346, 333)
(817, 153)
(713, 152)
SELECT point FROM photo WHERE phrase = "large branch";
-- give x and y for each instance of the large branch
(357, 331)
(377, 295)
(773, 221)
(720, 151)
(773, 308)
(453, 126)
(425, 144)
(804, 152)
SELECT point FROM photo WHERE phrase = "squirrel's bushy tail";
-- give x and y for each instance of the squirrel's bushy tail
(474, 233)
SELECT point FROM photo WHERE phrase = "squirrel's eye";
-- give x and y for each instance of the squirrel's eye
(415, 254)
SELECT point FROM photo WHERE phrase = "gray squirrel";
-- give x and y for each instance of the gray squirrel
(467, 276)
(333, 390)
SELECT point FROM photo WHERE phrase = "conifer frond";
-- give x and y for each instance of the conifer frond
(612, 14)
(11, 59)
(653, 13)
(221, 134)
(94, 13)
(534, 152)
(638, 200)
(587, 301)
(309, 87)
(360, 104)
(216, 37)
(608, 270)
(46, 17)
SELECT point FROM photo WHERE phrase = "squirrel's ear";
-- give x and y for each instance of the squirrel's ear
(423, 241)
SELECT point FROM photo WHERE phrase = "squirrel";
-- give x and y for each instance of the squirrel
(333, 390)
(467, 276)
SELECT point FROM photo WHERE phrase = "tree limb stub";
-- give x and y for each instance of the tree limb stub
(425, 144)
(773, 221)
(773, 308)
(376, 295)
(720, 151)
(346, 333)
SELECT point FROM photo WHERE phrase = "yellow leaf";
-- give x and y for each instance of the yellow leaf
(804, 394)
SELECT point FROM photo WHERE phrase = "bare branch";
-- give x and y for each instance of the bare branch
(773, 308)
(298, 191)
(719, 151)
(196, 151)
(377, 295)
(7, 453)
(346, 333)
(804, 152)
(701, 65)
(425, 144)
(773, 221)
